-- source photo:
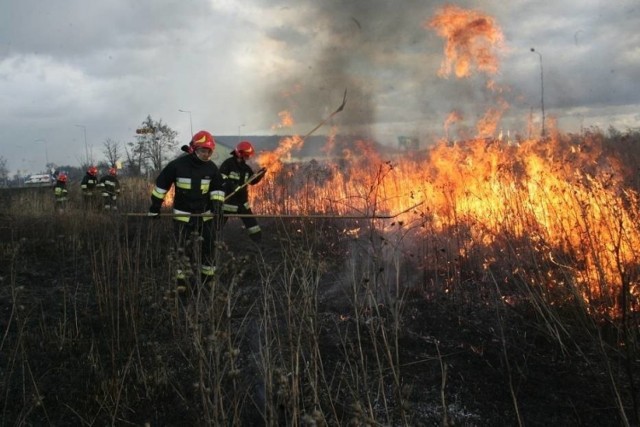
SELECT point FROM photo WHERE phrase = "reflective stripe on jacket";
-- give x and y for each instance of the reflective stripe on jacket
(198, 186)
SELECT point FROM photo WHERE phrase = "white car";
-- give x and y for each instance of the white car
(42, 179)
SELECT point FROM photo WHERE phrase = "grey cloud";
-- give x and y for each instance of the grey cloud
(76, 27)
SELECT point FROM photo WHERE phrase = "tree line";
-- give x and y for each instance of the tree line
(154, 144)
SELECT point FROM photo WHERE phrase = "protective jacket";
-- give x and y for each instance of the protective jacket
(110, 185)
(88, 184)
(198, 187)
(60, 191)
(235, 173)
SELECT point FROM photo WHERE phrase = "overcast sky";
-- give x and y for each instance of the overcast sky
(104, 65)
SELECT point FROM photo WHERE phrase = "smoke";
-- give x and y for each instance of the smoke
(378, 50)
(406, 66)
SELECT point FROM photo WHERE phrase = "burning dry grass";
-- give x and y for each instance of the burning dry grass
(565, 202)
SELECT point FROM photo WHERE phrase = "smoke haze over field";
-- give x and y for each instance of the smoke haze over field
(104, 66)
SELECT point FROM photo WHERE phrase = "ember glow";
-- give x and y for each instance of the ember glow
(560, 202)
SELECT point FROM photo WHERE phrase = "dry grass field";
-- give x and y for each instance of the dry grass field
(434, 317)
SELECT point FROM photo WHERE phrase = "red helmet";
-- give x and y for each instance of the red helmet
(62, 177)
(113, 171)
(244, 149)
(93, 171)
(202, 139)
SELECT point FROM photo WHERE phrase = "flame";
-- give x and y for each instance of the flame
(553, 194)
(286, 120)
(453, 117)
(558, 209)
(273, 160)
(471, 41)
(486, 126)
(170, 196)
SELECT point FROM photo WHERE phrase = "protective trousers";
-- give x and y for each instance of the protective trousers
(250, 223)
(188, 234)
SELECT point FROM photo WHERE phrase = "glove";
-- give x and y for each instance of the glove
(154, 212)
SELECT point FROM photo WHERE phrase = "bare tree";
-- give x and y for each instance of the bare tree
(136, 160)
(112, 151)
(155, 141)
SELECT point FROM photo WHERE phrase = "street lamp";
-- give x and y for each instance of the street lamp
(46, 152)
(190, 121)
(542, 132)
(239, 131)
(86, 147)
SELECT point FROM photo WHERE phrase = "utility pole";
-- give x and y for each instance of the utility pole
(190, 121)
(542, 131)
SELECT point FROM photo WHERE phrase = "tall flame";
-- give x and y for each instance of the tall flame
(472, 39)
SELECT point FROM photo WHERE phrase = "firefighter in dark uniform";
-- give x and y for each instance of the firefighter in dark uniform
(60, 192)
(198, 190)
(110, 186)
(238, 175)
(89, 188)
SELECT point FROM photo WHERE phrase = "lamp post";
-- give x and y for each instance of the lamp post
(239, 131)
(542, 131)
(190, 121)
(86, 147)
(46, 152)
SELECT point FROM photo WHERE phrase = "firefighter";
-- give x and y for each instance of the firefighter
(198, 190)
(110, 186)
(238, 175)
(89, 188)
(60, 192)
